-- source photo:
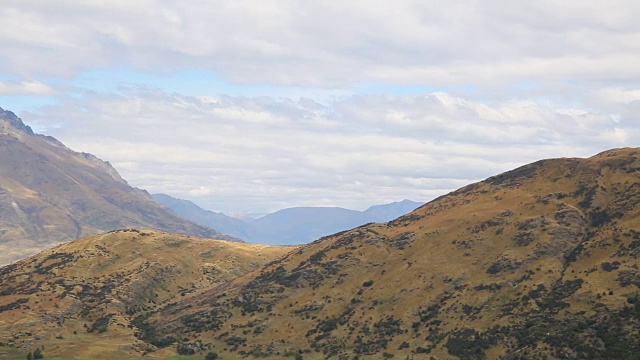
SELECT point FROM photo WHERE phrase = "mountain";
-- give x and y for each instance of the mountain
(82, 298)
(391, 211)
(540, 262)
(290, 226)
(189, 210)
(301, 225)
(51, 194)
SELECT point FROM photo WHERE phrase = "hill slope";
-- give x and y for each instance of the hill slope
(82, 298)
(50, 194)
(299, 225)
(538, 262)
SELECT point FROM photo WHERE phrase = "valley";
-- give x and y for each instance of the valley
(290, 226)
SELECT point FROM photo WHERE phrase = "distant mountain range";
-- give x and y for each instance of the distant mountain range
(298, 225)
(51, 194)
(189, 210)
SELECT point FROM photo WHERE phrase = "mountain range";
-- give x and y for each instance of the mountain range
(540, 262)
(50, 194)
(291, 226)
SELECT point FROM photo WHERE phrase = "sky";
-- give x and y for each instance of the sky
(255, 106)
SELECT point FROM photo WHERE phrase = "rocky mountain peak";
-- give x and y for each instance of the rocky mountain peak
(14, 121)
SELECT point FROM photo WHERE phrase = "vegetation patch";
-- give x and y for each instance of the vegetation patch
(176, 243)
(378, 338)
(491, 287)
(629, 277)
(488, 224)
(204, 321)
(504, 264)
(510, 177)
(600, 217)
(560, 291)
(13, 305)
(610, 266)
(524, 238)
(403, 240)
(148, 333)
(533, 223)
(53, 261)
(469, 344)
(101, 325)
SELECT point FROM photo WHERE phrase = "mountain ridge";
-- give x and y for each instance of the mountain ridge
(51, 194)
(537, 262)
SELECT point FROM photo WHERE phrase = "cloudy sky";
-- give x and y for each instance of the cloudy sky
(254, 106)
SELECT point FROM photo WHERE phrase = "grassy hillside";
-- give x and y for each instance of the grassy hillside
(539, 262)
(81, 299)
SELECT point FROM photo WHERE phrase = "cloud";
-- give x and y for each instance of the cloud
(201, 191)
(365, 101)
(620, 96)
(328, 43)
(240, 153)
(25, 88)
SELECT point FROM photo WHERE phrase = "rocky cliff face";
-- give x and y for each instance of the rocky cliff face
(51, 194)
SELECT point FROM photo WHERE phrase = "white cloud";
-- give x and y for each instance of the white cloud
(328, 43)
(25, 88)
(621, 96)
(616, 136)
(201, 191)
(509, 83)
(239, 153)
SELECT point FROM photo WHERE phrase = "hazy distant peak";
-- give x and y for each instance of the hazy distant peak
(405, 202)
(13, 120)
(386, 212)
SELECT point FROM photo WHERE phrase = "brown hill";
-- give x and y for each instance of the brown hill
(51, 194)
(539, 262)
(79, 299)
